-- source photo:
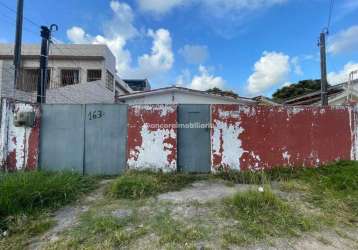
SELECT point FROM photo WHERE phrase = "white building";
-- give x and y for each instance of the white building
(77, 74)
(179, 95)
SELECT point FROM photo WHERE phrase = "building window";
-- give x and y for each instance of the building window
(70, 77)
(94, 75)
(109, 81)
(29, 80)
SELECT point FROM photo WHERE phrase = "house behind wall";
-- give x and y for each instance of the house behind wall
(77, 74)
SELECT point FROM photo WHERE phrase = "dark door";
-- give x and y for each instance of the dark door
(194, 138)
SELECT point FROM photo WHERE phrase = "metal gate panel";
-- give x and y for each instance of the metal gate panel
(62, 136)
(194, 138)
(105, 139)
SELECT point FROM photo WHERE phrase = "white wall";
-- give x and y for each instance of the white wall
(178, 98)
(85, 93)
(87, 57)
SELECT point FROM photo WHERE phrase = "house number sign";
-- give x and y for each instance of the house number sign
(94, 115)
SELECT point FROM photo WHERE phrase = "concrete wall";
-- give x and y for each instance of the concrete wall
(257, 137)
(151, 146)
(242, 137)
(18, 145)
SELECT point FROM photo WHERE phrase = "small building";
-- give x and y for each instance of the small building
(265, 101)
(77, 74)
(138, 84)
(339, 94)
(180, 95)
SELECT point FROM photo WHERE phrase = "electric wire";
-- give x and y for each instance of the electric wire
(14, 11)
(330, 14)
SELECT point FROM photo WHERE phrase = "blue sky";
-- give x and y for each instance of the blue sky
(250, 46)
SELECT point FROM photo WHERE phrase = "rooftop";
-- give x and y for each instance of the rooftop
(59, 51)
(185, 90)
(315, 96)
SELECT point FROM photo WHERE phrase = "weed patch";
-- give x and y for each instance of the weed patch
(22, 227)
(262, 215)
(137, 185)
(101, 231)
(29, 192)
(333, 188)
(172, 231)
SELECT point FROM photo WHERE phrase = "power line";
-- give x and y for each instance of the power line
(330, 14)
(11, 20)
(14, 11)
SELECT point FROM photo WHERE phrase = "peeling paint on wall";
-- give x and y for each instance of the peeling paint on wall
(18, 145)
(152, 141)
(353, 119)
(261, 137)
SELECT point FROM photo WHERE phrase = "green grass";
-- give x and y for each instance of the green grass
(30, 192)
(171, 231)
(21, 228)
(137, 185)
(242, 177)
(101, 231)
(333, 188)
(262, 215)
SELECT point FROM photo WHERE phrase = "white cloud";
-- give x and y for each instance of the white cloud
(295, 61)
(161, 57)
(159, 6)
(203, 81)
(271, 69)
(343, 75)
(216, 7)
(117, 32)
(77, 35)
(194, 54)
(345, 41)
(225, 6)
(122, 21)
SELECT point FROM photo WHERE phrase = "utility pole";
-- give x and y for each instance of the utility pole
(324, 83)
(43, 78)
(18, 40)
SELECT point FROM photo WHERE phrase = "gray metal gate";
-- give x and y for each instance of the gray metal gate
(88, 139)
(105, 139)
(194, 138)
(62, 137)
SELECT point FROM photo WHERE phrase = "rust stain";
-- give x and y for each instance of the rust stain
(33, 143)
(21, 149)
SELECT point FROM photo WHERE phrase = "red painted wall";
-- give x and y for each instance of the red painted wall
(152, 141)
(263, 137)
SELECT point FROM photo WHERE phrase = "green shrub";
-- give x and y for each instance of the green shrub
(29, 192)
(137, 185)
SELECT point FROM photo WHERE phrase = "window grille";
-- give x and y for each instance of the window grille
(70, 77)
(94, 75)
(29, 79)
(110, 81)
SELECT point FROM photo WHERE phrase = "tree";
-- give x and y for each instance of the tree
(296, 89)
(217, 91)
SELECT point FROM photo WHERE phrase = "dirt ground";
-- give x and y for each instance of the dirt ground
(196, 207)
